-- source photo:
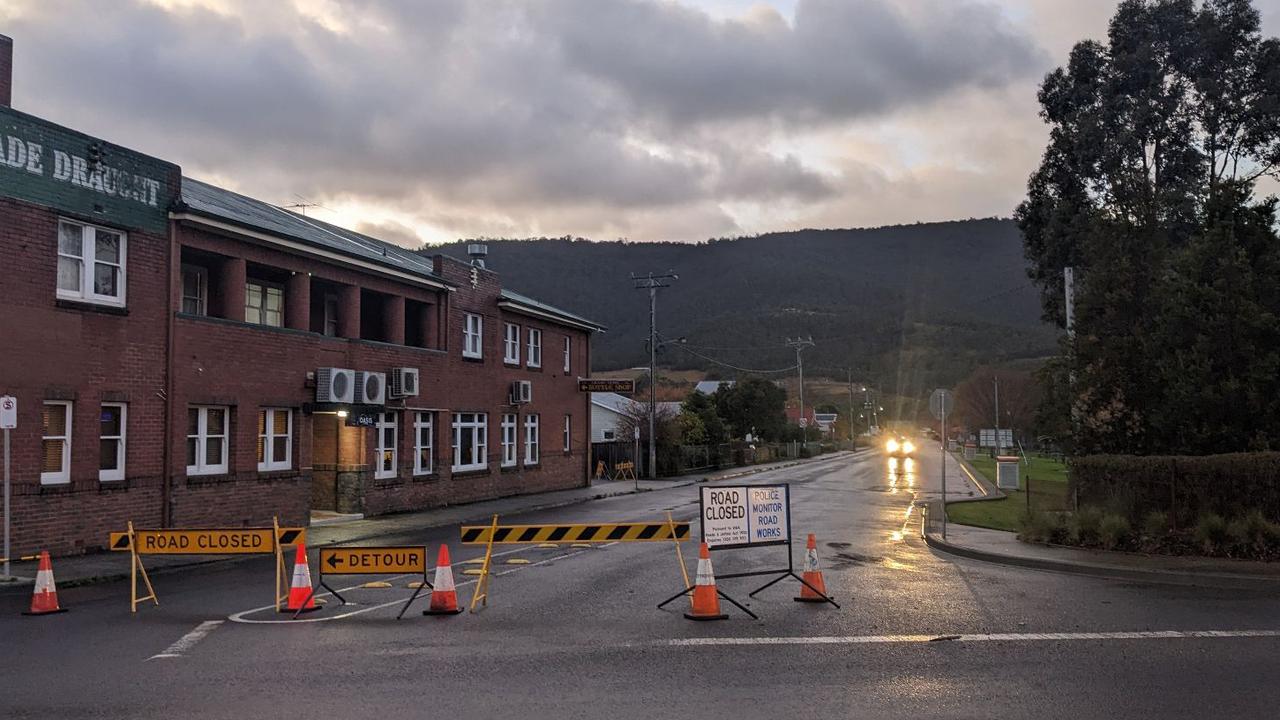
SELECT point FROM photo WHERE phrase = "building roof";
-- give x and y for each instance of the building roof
(209, 201)
(528, 305)
(709, 387)
(621, 404)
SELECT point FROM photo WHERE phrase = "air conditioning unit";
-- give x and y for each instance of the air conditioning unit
(404, 382)
(371, 388)
(335, 385)
(521, 392)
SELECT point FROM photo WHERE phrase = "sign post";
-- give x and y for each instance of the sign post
(8, 421)
(940, 403)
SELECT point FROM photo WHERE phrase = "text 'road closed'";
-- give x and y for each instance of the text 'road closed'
(745, 515)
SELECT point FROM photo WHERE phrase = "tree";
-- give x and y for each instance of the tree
(1146, 189)
(704, 408)
(753, 405)
(975, 400)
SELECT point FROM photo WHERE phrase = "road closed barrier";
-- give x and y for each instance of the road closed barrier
(203, 541)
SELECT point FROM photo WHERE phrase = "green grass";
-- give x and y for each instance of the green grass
(1048, 492)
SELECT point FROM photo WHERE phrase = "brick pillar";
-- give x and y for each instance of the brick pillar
(297, 302)
(393, 319)
(231, 281)
(427, 325)
(349, 312)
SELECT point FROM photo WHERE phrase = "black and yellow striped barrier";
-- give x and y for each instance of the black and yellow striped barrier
(583, 533)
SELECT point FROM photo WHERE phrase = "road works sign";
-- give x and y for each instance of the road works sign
(584, 533)
(745, 515)
(373, 560)
(238, 541)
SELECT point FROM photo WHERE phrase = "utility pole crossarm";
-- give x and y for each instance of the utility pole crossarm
(800, 344)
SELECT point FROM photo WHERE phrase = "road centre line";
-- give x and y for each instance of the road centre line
(240, 616)
(967, 638)
(186, 642)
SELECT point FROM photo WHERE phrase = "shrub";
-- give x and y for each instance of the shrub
(1253, 534)
(1113, 531)
(1211, 533)
(1155, 524)
(1084, 526)
(1040, 527)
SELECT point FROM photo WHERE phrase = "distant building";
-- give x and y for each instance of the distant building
(609, 410)
(709, 387)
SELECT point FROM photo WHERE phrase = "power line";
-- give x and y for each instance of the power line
(708, 358)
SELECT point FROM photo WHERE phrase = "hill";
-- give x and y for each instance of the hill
(908, 307)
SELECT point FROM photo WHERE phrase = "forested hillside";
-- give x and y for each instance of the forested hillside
(906, 306)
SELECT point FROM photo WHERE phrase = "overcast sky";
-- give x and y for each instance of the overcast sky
(419, 120)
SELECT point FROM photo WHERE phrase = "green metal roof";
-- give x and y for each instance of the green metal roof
(204, 199)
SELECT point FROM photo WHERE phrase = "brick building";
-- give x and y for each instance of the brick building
(185, 356)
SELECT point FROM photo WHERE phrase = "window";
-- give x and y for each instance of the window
(275, 439)
(195, 290)
(531, 440)
(511, 344)
(55, 451)
(470, 441)
(331, 315)
(609, 435)
(206, 440)
(423, 443)
(535, 348)
(508, 440)
(111, 442)
(385, 454)
(567, 349)
(472, 330)
(263, 304)
(90, 263)
(567, 433)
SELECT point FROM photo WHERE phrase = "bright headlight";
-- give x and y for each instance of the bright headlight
(891, 446)
(908, 446)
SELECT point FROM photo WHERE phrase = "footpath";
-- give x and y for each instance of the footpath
(101, 567)
(1003, 547)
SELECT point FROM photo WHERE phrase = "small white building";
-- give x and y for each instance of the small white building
(608, 411)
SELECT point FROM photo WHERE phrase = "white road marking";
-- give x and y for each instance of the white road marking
(240, 617)
(186, 642)
(963, 638)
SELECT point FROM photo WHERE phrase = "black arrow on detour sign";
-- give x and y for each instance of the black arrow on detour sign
(334, 561)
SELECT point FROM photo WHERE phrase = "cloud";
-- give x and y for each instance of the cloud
(643, 118)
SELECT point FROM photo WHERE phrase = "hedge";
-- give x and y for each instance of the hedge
(1184, 486)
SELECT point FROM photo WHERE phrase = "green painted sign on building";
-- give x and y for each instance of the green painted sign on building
(71, 172)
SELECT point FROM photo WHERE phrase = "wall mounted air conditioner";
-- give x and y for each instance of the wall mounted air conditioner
(404, 382)
(371, 388)
(335, 385)
(521, 392)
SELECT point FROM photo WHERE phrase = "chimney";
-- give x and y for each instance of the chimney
(6, 71)
(478, 253)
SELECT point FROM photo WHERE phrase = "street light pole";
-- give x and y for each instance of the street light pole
(800, 344)
(652, 282)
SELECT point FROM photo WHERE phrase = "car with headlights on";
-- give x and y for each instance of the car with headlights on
(899, 446)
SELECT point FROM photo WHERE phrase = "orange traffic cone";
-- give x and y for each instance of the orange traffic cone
(706, 601)
(812, 576)
(444, 594)
(44, 601)
(301, 594)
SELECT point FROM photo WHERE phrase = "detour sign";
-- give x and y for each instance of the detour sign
(240, 541)
(373, 560)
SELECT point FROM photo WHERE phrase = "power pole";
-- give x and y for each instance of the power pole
(651, 283)
(800, 344)
(996, 379)
(850, 370)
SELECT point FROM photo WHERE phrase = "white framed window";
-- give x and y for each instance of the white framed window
(263, 304)
(385, 452)
(472, 334)
(275, 439)
(111, 434)
(470, 441)
(508, 439)
(55, 445)
(535, 348)
(91, 263)
(331, 315)
(568, 349)
(531, 439)
(206, 440)
(424, 427)
(567, 432)
(511, 344)
(195, 290)
(609, 435)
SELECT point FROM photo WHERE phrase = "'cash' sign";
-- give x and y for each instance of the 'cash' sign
(742, 515)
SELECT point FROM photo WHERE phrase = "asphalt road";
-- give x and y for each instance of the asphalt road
(575, 633)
